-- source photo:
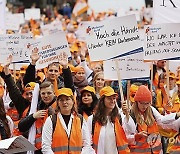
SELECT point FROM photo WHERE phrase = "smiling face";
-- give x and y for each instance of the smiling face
(99, 82)
(142, 106)
(47, 94)
(110, 102)
(53, 72)
(87, 98)
(66, 104)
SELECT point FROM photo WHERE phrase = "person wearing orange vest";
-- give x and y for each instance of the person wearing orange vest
(45, 107)
(146, 137)
(88, 102)
(70, 133)
(108, 135)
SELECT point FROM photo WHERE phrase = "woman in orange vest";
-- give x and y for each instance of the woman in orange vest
(146, 137)
(66, 131)
(88, 102)
(108, 136)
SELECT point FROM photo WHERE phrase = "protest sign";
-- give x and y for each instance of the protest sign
(33, 13)
(162, 42)
(12, 22)
(52, 28)
(166, 11)
(15, 145)
(80, 7)
(131, 66)
(2, 16)
(115, 5)
(50, 48)
(112, 38)
(14, 45)
(174, 65)
(20, 16)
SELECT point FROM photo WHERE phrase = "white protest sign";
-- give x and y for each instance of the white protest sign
(33, 13)
(15, 45)
(51, 28)
(2, 16)
(131, 66)
(113, 37)
(166, 11)
(20, 16)
(12, 22)
(162, 42)
(50, 48)
(15, 145)
(173, 65)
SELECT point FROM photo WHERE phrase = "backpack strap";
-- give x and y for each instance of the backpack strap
(54, 120)
(81, 118)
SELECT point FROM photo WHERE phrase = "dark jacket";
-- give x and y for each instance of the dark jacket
(15, 94)
(26, 122)
(65, 80)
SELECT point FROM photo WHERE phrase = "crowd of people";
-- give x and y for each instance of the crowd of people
(68, 107)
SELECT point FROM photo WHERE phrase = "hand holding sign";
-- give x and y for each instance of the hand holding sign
(6, 65)
(125, 108)
(63, 60)
(35, 56)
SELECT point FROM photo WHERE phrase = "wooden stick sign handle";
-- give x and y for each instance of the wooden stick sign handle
(120, 85)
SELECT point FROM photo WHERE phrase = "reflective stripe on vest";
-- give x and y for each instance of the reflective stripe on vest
(150, 144)
(175, 152)
(121, 140)
(65, 148)
(71, 144)
(147, 150)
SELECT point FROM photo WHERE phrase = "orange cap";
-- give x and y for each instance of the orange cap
(23, 69)
(29, 86)
(41, 75)
(143, 94)
(178, 82)
(78, 69)
(72, 68)
(171, 75)
(74, 47)
(133, 90)
(88, 88)
(107, 91)
(64, 91)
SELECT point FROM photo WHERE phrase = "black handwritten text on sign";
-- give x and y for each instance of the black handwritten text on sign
(171, 1)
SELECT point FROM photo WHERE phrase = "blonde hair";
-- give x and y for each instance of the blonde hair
(148, 118)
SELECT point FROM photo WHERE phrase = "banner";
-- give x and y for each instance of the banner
(12, 22)
(16, 145)
(111, 38)
(80, 7)
(52, 28)
(162, 42)
(2, 16)
(166, 11)
(50, 48)
(115, 5)
(14, 45)
(131, 66)
(32, 14)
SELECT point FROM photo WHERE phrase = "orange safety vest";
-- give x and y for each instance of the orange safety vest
(121, 140)
(149, 145)
(156, 79)
(16, 131)
(62, 144)
(13, 113)
(85, 116)
(175, 149)
(39, 126)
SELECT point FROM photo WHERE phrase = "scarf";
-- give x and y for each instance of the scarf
(33, 109)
